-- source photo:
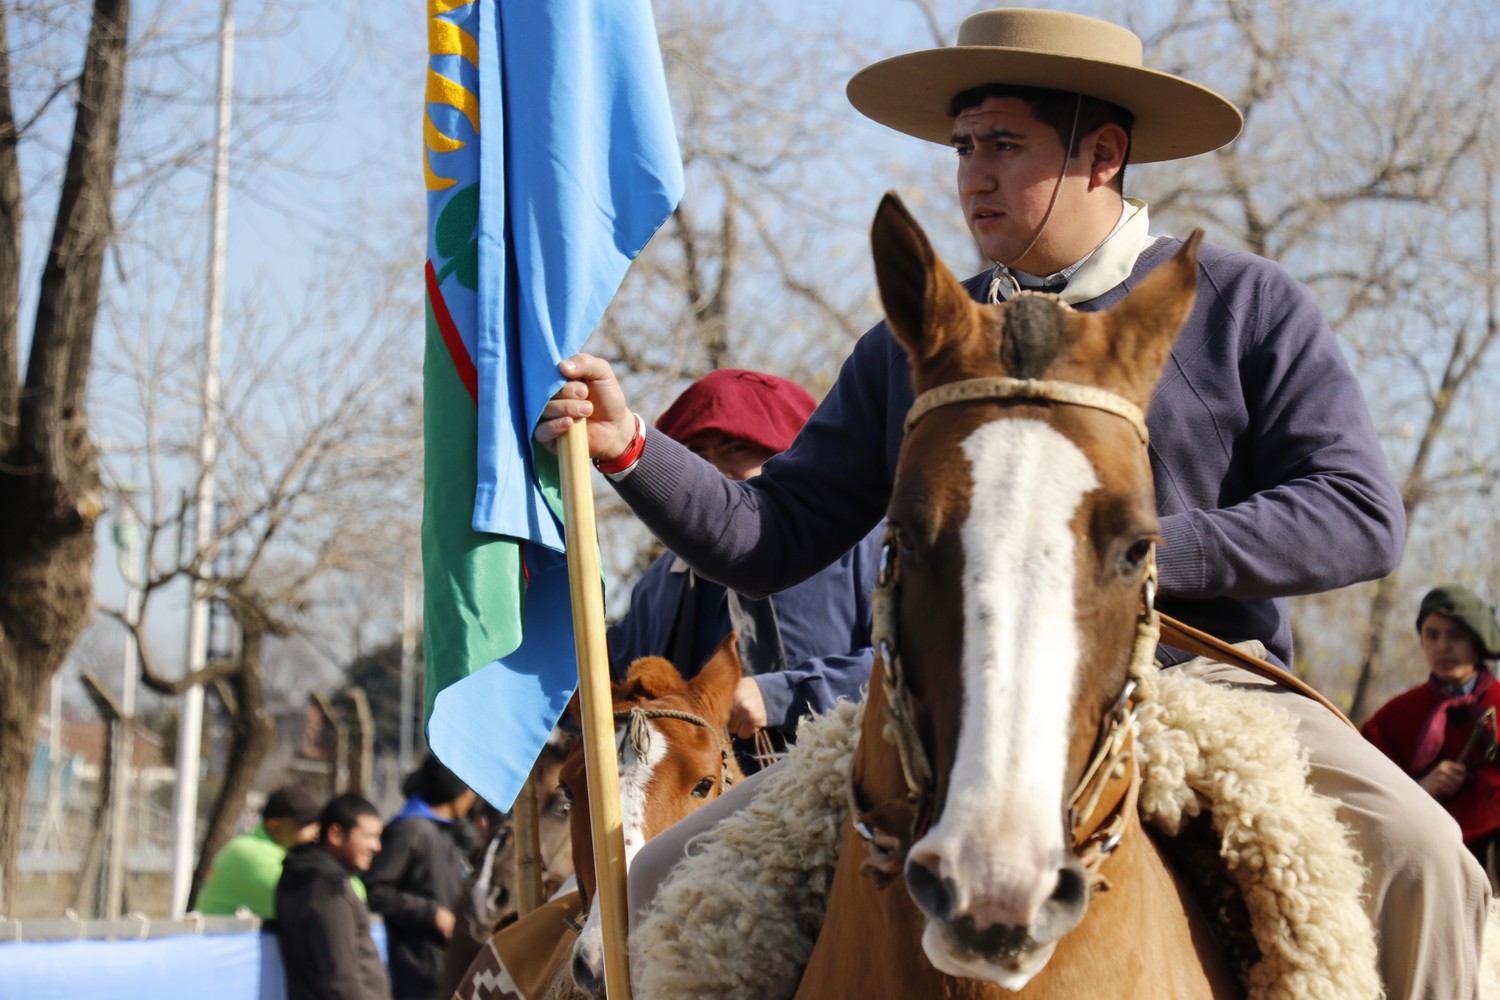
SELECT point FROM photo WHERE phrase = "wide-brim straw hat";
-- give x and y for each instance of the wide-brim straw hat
(1174, 117)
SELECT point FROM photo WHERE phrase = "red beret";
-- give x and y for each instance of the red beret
(763, 409)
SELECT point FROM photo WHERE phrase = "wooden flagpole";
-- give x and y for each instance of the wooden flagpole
(596, 704)
(526, 829)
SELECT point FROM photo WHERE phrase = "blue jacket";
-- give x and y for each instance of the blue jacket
(824, 625)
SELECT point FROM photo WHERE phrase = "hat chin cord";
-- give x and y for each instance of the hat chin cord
(1056, 187)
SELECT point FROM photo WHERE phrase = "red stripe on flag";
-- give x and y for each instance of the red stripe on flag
(462, 363)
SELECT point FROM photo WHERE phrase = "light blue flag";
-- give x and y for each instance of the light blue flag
(578, 166)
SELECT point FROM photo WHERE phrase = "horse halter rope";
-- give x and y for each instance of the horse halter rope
(638, 733)
(1096, 820)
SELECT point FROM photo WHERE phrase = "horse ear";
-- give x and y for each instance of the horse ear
(713, 687)
(574, 712)
(650, 677)
(1147, 321)
(923, 302)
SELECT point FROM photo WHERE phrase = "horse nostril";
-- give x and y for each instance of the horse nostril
(932, 894)
(584, 978)
(1072, 884)
(1065, 907)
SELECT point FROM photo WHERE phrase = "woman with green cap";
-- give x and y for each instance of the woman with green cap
(1442, 733)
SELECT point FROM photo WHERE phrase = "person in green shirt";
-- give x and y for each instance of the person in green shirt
(245, 871)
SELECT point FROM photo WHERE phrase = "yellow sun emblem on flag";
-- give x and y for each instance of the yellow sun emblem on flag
(444, 38)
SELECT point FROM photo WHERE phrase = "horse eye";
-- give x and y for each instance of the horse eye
(567, 794)
(1135, 556)
(703, 789)
(562, 803)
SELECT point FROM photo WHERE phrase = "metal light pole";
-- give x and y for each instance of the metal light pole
(190, 725)
(127, 538)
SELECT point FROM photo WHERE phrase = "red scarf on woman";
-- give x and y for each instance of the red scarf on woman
(1435, 730)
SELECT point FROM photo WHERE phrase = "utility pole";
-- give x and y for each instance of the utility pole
(190, 725)
(408, 667)
(127, 538)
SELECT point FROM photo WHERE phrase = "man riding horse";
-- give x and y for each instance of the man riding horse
(1270, 480)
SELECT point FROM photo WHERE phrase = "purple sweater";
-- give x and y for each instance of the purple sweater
(1270, 481)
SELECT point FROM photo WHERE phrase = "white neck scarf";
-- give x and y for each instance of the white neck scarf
(1101, 269)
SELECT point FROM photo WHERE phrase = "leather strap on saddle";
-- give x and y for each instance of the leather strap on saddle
(1184, 637)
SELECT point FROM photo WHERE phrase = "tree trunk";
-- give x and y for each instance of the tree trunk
(45, 600)
(252, 731)
(1372, 657)
(90, 897)
(49, 478)
(18, 714)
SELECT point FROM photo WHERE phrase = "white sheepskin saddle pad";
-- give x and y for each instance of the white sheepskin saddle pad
(738, 918)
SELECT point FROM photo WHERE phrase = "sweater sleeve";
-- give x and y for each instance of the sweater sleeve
(811, 503)
(1318, 509)
(814, 686)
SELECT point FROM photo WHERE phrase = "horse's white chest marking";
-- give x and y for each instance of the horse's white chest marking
(1020, 650)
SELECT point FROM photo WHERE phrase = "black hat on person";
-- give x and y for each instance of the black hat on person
(292, 802)
(1463, 605)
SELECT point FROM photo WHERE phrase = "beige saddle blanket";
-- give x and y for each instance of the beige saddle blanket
(753, 891)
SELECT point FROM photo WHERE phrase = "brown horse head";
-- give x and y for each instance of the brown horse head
(672, 740)
(1023, 528)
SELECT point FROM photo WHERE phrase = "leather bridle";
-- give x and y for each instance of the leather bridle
(1104, 799)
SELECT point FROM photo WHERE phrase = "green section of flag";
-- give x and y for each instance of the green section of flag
(474, 583)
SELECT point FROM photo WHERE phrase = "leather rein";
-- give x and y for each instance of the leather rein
(1105, 797)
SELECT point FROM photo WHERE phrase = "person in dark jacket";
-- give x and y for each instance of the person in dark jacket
(322, 926)
(422, 867)
(803, 649)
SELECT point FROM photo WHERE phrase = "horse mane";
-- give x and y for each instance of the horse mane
(1031, 336)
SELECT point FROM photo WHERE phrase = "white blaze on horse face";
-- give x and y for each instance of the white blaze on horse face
(636, 771)
(999, 841)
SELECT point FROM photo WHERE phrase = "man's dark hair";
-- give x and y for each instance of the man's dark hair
(433, 782)
(1055, 108)
(344, 811)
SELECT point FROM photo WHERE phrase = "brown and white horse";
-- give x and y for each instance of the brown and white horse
(993, 770)
(674, 757)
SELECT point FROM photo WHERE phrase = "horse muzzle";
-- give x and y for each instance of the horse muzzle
(960, 944)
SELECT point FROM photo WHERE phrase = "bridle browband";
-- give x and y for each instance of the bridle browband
(1030, 390)
(1104, 799)
(638, 733)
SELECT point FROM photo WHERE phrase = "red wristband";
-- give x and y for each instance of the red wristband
(630, 455)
